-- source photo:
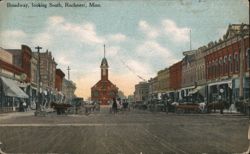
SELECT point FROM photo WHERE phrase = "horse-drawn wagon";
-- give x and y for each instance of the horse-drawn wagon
(187, 108)
(61, 108)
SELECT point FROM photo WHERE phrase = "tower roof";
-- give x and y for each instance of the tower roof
(104, 62)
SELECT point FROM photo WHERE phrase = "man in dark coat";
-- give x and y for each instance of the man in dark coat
(114, 105)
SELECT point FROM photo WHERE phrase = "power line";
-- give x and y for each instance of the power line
(131, 70)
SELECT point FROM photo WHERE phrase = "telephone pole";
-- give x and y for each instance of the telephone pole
(39, 79)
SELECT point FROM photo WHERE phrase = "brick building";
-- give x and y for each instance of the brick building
(59, 79)
(12, 78)
(175, 76)
(104, 90)
(47, 70)
(175, 80)
(225, 62)
(22, 60)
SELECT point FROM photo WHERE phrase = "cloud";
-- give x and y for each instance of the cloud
(174, 32)
(116, 37)
(57, 26)
(150, 31)
(63, 60)
(55, 20)
(13, 38)
(85, 32)
(151, 49)
(43, 39)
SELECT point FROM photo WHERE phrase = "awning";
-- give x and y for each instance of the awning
(11, 89)
(221, 82)
(185, 88)
(200, 89)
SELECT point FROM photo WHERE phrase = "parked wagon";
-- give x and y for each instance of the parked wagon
(216, 105)
(60, 108)
(187, 108)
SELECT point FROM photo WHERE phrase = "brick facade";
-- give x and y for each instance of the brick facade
(175, 76)
(59, 79)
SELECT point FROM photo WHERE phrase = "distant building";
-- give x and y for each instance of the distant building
(104, 90)
(141, 91)
(163, 80)
(47, 71)
(68, 89)
(153, 88)
(131, 98)
(121, 95)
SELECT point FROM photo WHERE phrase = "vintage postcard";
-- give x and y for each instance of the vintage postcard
(124, 76)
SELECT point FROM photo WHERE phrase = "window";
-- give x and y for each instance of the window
(225, 64)
(230, 63)
(236, 61)
(221, 66)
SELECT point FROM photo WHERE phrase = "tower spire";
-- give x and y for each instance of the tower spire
(104, 51)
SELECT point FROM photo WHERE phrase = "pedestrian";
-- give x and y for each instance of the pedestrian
(24, 106)
(114, 105)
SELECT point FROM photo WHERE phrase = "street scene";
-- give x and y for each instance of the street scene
(115, 77)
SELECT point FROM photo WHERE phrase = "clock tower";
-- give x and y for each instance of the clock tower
(104, 90)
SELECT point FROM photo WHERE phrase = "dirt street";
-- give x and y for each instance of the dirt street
(134, 132)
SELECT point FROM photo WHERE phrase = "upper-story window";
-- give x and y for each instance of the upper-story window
(236, 61)
(225, 64)
(230, 63)
(220, 66)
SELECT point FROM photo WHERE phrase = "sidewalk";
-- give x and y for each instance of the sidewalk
(15, 114)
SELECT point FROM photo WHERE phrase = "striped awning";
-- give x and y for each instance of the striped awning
(11, 89)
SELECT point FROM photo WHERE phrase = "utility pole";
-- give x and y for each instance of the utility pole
(39, 80)
(242, 59)
(104, 50)
(68, 73)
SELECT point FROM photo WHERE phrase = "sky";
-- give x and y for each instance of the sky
(141, 37)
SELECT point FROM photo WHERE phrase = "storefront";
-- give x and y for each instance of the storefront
(11, 94)
(221, 90)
